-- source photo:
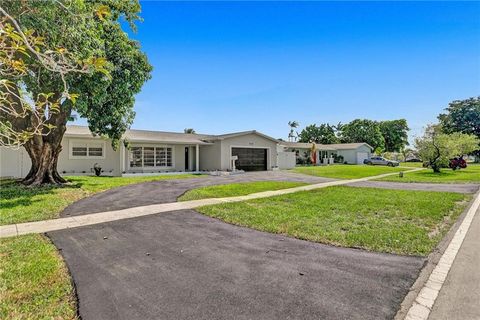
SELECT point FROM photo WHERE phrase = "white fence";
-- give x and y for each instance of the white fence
(286, 160)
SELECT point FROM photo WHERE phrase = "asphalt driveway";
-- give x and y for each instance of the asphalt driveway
(183, 265)
(164, 191)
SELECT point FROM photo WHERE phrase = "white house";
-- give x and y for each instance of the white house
(156, 151)
(348, 153)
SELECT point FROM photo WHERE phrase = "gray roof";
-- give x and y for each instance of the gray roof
(333, 146)
(165, 137)
(242, 133)
(147, 136)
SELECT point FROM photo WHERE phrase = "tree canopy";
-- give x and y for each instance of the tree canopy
(395, 134)
(436, 147)
(88, 32)
(22, 53)
(324, 133)
(363, 130)
(463, 116)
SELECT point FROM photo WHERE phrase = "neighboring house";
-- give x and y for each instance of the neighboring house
(349, 153)
(155, 151)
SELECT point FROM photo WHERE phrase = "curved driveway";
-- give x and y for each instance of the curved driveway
(164, 191)
(183, 265)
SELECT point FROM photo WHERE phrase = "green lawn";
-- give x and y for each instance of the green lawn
(341, 171)
(34, 282)
(21, 204)
(237, 189)
(469, 175)
(396, 221)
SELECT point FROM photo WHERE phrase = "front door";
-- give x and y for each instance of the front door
(186, 159)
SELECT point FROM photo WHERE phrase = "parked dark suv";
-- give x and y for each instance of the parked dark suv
(381, 161)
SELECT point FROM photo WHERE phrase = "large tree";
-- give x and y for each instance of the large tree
(462, 116)
(436, 147)
(324, 133)
(363, 130)
(395, 134)
(105, 97)
(22, 52)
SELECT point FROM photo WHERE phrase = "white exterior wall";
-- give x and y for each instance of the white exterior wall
(14, 163)
(210, 158)
(286, 160)
(350, 156)
(247, 141)
(110, 162)
(179, 158)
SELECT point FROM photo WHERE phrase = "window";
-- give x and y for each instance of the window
(148, 156)
(87, 150)
(95, 150)
(136, 157)
(151, 157)
(79, 150)
(160, 160)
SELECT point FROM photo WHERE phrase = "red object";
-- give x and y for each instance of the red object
(314, 158)
(457, 163)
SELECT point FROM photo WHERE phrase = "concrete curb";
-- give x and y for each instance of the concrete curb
(422, 305)
(95, 218)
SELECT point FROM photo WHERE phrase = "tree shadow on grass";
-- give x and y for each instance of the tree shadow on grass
(13, 193)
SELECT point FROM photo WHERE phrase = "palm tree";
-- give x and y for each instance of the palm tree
(189, 130)
(293, 135)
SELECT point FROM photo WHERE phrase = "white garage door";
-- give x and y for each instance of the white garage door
(361, 156)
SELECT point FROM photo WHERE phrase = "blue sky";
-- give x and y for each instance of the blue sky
(231, 66)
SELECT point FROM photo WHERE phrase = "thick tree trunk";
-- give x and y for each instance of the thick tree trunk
(44, 164)
(44, 151)
(44, 148)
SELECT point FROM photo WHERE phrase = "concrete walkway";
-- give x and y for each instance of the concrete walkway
(101, 217)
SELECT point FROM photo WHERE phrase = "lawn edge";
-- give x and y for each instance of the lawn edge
(74, 297)
(431, 262)
(430, 182)
(89, 194)
(313, 242)
(222, 184)
(460, 218)
(131, 184)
